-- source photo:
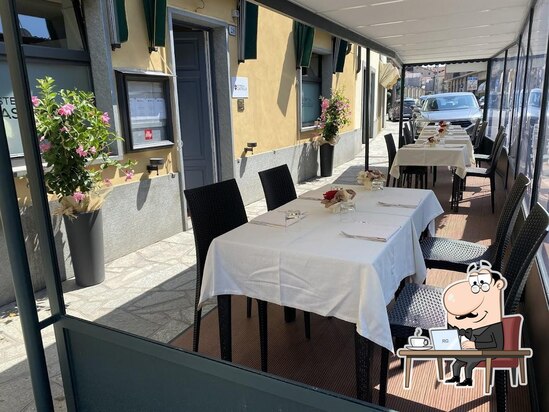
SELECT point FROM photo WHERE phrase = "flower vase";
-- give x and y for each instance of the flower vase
(326, 159)
(85, 237)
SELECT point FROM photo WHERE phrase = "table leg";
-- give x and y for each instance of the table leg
(522, 369)
(363, 355)
(289, 314)
(440, 369)
(488, 375)
(224, 316)
(407, 371)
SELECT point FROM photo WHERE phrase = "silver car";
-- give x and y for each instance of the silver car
(458, 108)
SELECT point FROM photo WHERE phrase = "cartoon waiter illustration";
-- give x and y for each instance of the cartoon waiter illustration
(475, 308)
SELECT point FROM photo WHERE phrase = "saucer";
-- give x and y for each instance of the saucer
(410, 347)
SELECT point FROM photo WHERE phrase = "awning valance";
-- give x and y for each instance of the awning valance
(388, 75)
(303, 40)
(118, 23)
(155, 17)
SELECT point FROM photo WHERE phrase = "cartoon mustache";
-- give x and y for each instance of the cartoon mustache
(469, 315)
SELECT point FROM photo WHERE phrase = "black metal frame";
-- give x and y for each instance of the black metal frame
(518, 141)
(366, 111)
(122, 79)
(503, 84)
(487, 85)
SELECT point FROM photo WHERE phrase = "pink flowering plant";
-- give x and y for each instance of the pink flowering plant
(335, 113)
(74, 134)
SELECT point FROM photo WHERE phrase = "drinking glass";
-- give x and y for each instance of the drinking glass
(347, 211)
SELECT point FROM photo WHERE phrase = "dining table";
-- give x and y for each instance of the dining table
(453, 150)
(344, 265)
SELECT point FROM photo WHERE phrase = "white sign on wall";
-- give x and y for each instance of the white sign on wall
(239, 86)
(472, 83)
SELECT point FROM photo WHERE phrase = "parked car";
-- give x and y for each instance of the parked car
(417, 107)
(394, 112)
(459, 108)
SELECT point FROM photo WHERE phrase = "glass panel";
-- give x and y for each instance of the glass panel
(67, 76)
(48, 23)
(494, 95)
(539, 50)
(148, 114)
(310, 102)
(517, 107)
(508, 93)
(533, 90)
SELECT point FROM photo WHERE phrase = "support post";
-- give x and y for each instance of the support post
(487, 90)
(22, 283)
(366, 112)
(400, 120)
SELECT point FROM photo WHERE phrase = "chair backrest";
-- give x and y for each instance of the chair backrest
(475, 129)
(214, 209)
(391, 148)
(412, 128)
(496, 152)
(507, 219)
(408, 139)
(525, 247)
(481, 131)
(512, 326)
(278, 186)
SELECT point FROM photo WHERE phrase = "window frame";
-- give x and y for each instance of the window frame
(325, 59)
(122, 79)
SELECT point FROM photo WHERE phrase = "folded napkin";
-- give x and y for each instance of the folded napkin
(452, 145)
(369, 231)
(415, 146)
(399, 201)
(275, 218)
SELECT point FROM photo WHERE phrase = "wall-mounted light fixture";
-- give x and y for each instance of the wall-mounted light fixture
(155, 163)
(250, 147)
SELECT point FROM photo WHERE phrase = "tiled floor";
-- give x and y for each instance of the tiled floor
(149, 293)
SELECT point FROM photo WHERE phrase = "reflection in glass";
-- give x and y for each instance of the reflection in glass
(494, 95)
(532, 92)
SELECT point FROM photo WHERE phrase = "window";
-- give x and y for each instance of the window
(494, 101)
(47, 23)
(508, 93)
(53, 46)
(311, 90)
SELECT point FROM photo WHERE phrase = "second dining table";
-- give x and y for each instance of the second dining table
(343, 265)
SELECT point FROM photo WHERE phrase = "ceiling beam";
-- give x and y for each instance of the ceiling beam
(306, 16)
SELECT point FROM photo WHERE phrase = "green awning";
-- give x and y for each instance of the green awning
(155, 17)
(339, 53)
(121, 22)
(303, 40)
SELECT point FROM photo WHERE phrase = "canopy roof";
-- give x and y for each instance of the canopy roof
(421, 31)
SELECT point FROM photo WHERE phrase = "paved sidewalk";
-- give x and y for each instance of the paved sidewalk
(149, 293)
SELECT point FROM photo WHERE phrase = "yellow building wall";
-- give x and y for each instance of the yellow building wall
(270, 114)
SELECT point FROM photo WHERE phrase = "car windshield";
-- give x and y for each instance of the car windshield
(451, 102)
(534, 99)
(409, 103)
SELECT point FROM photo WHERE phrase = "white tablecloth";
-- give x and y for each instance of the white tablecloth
(440, 155)
(311, 266)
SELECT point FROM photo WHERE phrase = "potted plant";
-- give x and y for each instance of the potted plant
(335, 113)
(75, 139)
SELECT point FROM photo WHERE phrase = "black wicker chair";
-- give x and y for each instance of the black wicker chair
(408, 138)
(474, 129)
(279, 189)
(420, 306)
(479, 136)
(406, 172)
(457, 255)
(490, 171)
(480, 157)
(214, 210)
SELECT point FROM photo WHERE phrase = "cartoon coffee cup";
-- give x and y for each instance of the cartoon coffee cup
(418, 341)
